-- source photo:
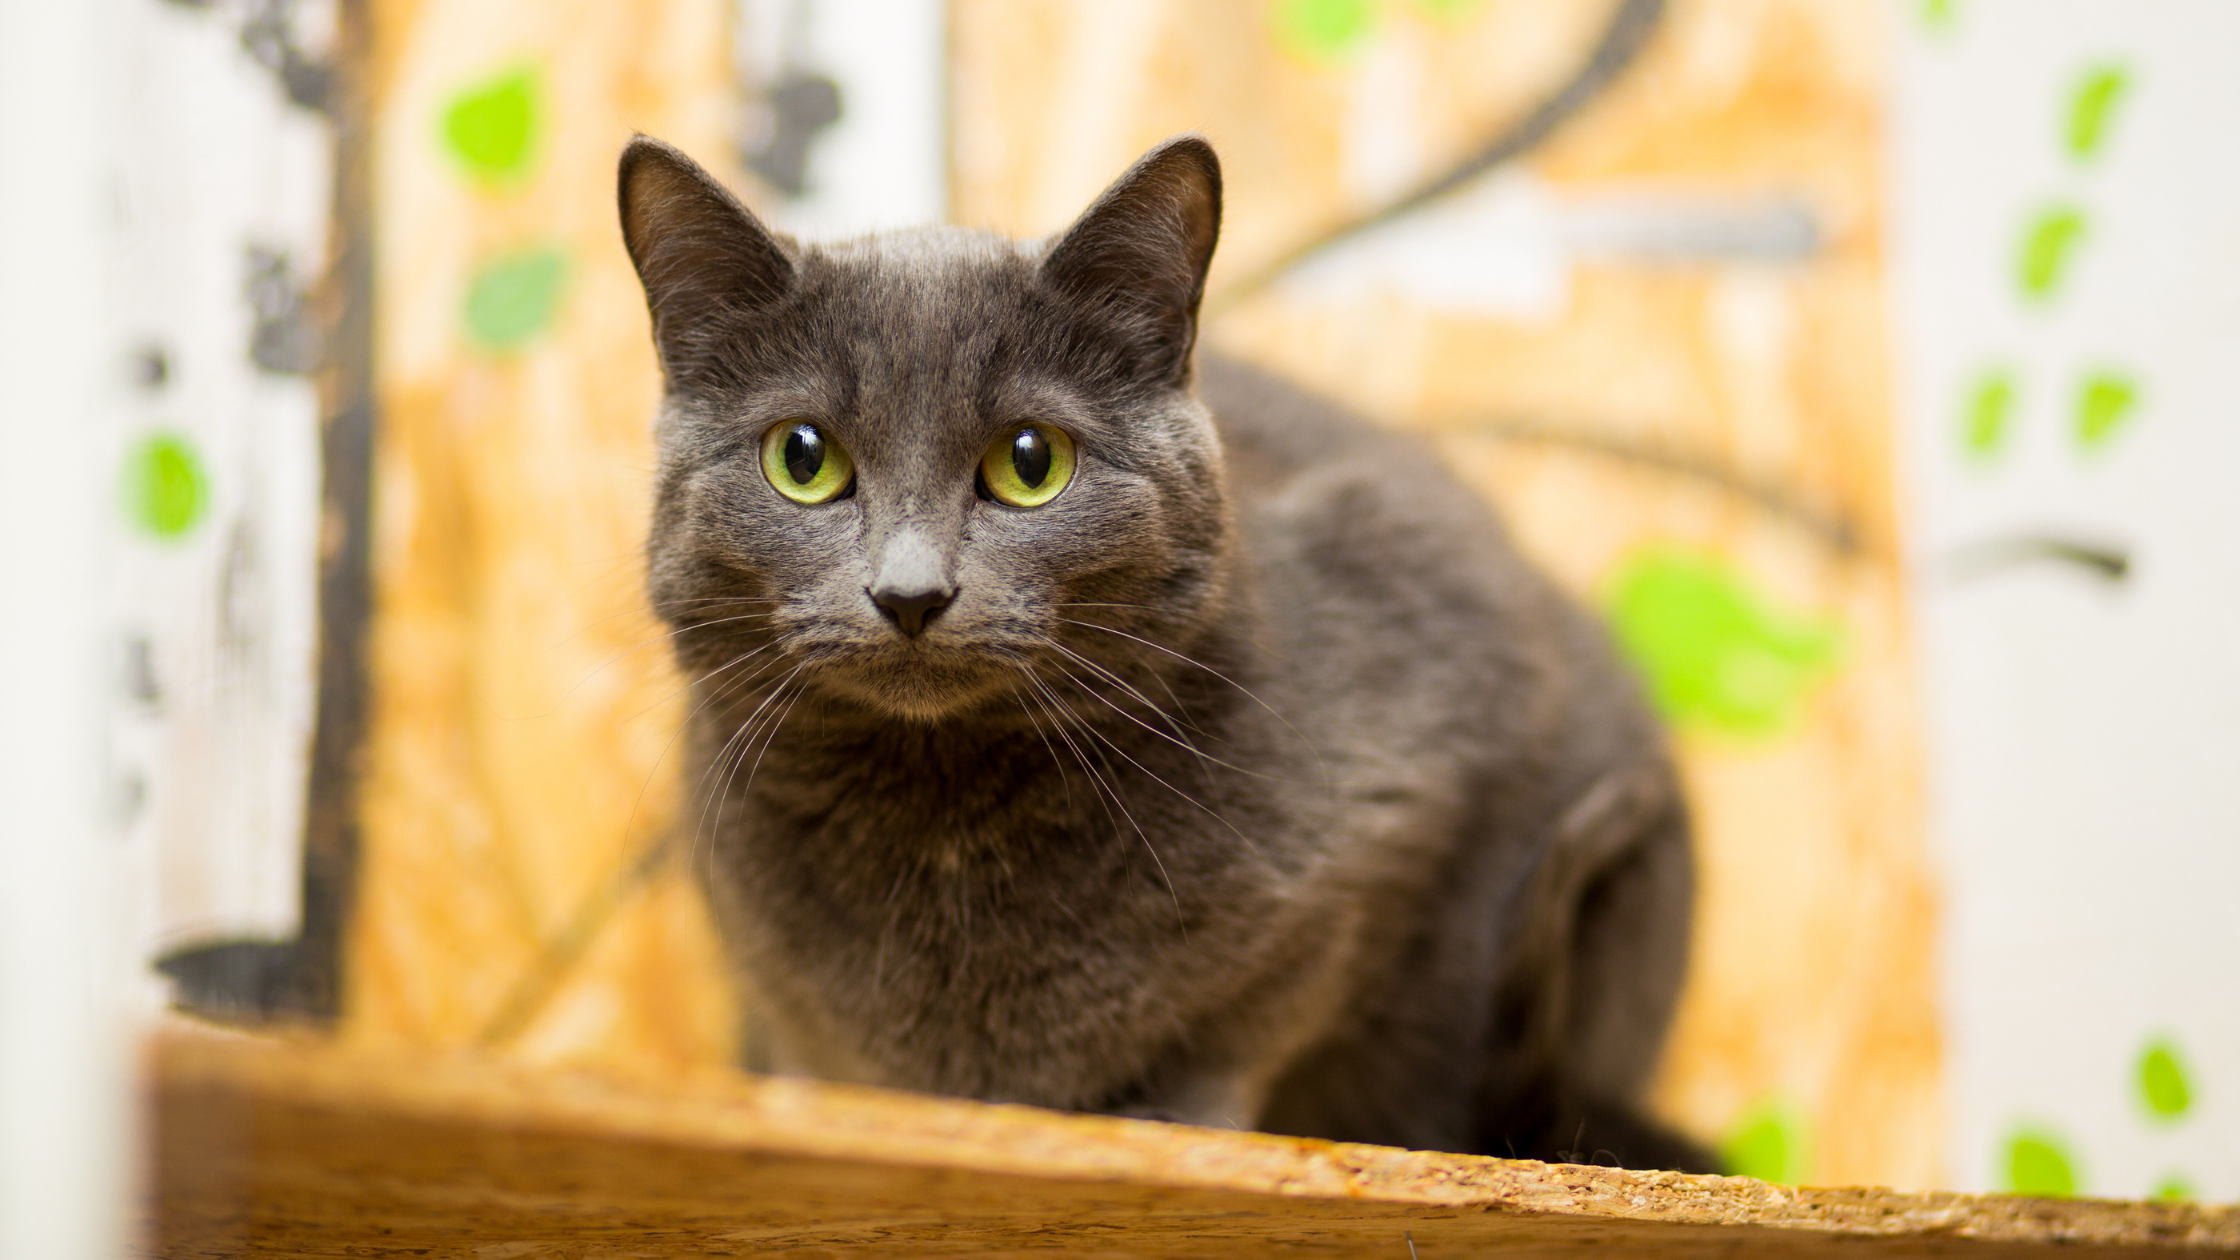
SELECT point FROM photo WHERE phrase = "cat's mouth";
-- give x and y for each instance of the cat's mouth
(918, 682)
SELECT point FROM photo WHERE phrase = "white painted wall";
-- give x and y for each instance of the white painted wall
(213, 161)
(63, 1148)
(2086, 733)
(156, 686)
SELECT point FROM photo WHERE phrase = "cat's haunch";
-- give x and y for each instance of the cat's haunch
(1079, 721)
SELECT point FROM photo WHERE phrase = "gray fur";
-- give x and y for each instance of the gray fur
(1252, 781)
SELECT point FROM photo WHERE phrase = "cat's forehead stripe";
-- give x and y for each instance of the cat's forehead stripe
(935, 251)
(918, 311)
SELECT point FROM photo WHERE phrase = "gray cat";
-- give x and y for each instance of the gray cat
(1077, 728)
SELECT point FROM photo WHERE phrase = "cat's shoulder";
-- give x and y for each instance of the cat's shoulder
(1347, 510)
(1270, 427)
(1301, 454)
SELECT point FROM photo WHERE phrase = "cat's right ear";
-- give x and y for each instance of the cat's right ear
(703, 258)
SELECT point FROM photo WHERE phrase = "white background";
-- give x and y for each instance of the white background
(2085, 748)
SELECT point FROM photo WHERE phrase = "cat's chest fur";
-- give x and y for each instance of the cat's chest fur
(1012, 913)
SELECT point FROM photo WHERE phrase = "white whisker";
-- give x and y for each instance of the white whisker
(1155, 777)
(1142, 835)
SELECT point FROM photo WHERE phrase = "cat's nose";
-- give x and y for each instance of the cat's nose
(909, 587)
(910, 610)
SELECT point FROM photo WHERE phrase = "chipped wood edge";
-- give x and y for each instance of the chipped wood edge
(815, 1119)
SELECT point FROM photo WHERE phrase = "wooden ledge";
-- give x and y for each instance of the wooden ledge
(300, 1148)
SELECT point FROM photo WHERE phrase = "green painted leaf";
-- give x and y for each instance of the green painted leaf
(2039, 1165)
(1770, 1142)
(1989, 416)
(2105, 402)
(2175, 1188)
(513, 298)
(2162, 1082)
(1449, 10)
(2091, 106)
(491, 127)
(1323, 30)
(165, 488)
(2048, 244)
(1715, 653)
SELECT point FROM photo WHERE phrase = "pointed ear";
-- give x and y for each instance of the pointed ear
(1139, 255)
(704, 258)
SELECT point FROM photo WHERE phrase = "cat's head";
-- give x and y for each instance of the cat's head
(904, 469)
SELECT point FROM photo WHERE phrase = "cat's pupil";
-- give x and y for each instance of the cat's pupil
(1030, 457)
(804, 453)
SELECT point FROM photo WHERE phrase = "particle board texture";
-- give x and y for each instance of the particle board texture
(1701, 429)
(277, 1147)
(518, 763)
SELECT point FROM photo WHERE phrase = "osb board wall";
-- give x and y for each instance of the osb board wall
(1808, 1029)
(523, 701)
(519, 765)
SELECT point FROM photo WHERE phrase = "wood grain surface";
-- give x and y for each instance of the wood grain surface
(276, 1148)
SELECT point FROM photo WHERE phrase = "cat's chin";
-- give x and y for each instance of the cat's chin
(918, 692)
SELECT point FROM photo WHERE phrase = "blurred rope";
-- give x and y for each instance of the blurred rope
(1622, 40)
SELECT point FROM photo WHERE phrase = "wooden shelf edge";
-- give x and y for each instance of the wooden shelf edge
(190, 1072)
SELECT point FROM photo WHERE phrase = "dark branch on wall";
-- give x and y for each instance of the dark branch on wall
(330, 849)
(1622, 39)
(1832, 528)
(2107, 562)
(1631, 25)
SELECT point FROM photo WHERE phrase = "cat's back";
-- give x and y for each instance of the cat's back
(1357, 528)
(1291, 451)
(1408, 629)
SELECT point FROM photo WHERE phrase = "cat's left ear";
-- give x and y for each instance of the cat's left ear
(1138, 256)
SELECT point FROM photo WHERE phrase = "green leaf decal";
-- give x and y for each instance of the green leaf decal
(1770, 1142)
(1715, 653)
(2039, 1165)
(2104, 404)
(1449, 10)
(1989, 417)
(2047, 246)
(166, 491)
(1323, 30)
(2162, 1082)
(491, 127)
(2090, 109)
(512, 298)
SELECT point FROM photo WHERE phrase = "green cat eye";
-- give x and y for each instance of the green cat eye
(1029, 466)
(805, 464)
